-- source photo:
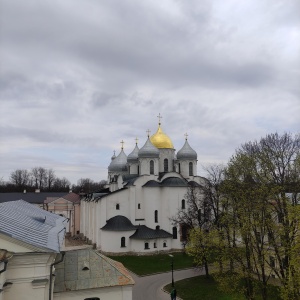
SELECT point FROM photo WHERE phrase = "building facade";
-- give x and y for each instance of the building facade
(145, 189)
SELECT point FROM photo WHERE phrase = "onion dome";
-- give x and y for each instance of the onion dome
(119, 164)
(114, 156)
(161, 140)
(186, 152)
(133, 156)
(148, 150)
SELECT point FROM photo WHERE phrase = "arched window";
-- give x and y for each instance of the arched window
(151, 167)
(174, 233)
(166, 165)
(165, 244)
(139, 206)
(191, 173)
(123, 242)
(117, 206)
(157, 227)
(156, 216)
(182, 204)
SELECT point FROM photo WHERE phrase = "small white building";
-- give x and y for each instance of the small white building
(146, 189)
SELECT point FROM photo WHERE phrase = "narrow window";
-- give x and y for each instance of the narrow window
(151, 167)
(154, 245)
(184, 232)
(123, 242)
(138, 170)
(191, 173)
(179, 170)
(156, 216)
(182, 204)
(129, 169)
(117, 206)
(157, 227)
(174, 233)
(147, 246)
(166, 165)
(139, 206)
(164, 244)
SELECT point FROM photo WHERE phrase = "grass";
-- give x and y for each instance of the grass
(144, 265)
(204, 288)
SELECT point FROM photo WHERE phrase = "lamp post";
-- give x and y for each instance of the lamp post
(172, 267)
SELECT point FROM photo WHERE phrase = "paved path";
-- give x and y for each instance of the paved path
(150, 287)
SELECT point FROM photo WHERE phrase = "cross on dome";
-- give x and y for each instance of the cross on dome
(122, 142)
(148, 132)
(186, 136)
(136, 140)
(159, 119)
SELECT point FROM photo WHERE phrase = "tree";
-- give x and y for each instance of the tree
(50, 175)
(39, 175)
(20, 178)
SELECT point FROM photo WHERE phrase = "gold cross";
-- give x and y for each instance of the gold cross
(148, 132)
(136, 140)
(122, 142)
(186, 136)
(159, 118)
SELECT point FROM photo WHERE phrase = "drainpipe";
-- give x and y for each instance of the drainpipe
(51, 275)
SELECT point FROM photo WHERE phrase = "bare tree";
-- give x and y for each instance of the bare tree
(20, 178)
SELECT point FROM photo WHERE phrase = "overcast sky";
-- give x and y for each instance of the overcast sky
(79, 76)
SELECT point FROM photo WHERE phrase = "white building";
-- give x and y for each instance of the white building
(146, 189)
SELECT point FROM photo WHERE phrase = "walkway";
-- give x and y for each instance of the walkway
(150, 287)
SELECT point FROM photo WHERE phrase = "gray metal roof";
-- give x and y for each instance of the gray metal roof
(119, 164)
(148, 150)
(133, 156)
(87, 269)
(144, 233)
(118, 223)
(174, 181)
(32, 225)
(186, 152)
(151, 183)
(37, 198)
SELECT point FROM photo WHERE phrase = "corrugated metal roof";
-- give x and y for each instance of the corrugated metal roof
(87, 269)
(32, 225)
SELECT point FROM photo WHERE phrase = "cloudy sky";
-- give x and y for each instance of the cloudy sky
(79, 76)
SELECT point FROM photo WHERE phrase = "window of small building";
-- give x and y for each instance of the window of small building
(157, 227)
(151, 167)
(174, 233)
(156, 216)
(139, 205)
(117, 206)
(123, 242)
(166, 165)
(165, 244)
(154, 245)
(182, 204)
(191, 173)
(147, 245)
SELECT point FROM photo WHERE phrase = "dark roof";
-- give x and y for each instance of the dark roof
(30, 197)
(151, 183)
(72, 197)
(118, 223)
(194, 184)
(130, 179)
(143, 233)
(174, 181)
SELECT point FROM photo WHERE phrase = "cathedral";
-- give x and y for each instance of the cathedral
(145, 189)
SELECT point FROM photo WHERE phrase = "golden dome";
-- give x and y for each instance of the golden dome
(161, 140)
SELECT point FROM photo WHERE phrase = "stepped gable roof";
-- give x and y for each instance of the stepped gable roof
(174, 181)
(32, 225)
(133, 156)
(119, 164)
(149, 150)
(118, 223)
(186, 152)
(87, 269)
(143, 233)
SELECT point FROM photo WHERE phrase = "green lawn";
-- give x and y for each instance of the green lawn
(206, 289)
(144, 265)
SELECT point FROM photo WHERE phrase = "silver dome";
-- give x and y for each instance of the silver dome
(119, 164)
(133, 156)
(148, 150)
(186, 152)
